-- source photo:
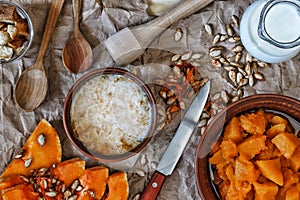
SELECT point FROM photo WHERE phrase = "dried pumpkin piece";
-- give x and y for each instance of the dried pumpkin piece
(229, 149)
(93, 179)
(295, 160)
(275, 130)
(69, 170)
(293, 193)
(245, 171)
(117, 186)
(286, 143)
(42, 149)
(271, 169)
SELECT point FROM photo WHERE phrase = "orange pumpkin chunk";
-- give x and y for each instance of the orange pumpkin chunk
(251, 146)
(41, 155)
(233, 130)
(271, 169)
(275, 130)
(245, 170)
(295, 160)
(229, 149)
(69, 170)
(253, 123)
(267, 190)
(94, 179)
(286, 143)
(117, 186)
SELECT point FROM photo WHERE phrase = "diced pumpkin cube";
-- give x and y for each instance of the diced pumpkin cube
(216, 158)
(233, 131)
(117, 186)
(245, 170)
(286, 143)
(41, 154)
(289, 177)
(295, 160)
(253, 123)
(22, 191)
(251, 146)
(94, 179)
(267, 190)
(278, 120)
(275, 130)
(271, 169)
(270, 152)
(69, 170)
(292, 194)
(229, 149)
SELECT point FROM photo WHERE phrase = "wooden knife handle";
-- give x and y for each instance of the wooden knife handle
(153, 187)
(184, 9)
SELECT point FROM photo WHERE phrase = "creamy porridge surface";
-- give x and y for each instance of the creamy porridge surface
(111, 114)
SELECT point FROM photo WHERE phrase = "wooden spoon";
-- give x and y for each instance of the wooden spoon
(77, 54)
(32, 86)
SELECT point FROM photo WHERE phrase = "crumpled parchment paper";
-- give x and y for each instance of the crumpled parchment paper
(101, 19)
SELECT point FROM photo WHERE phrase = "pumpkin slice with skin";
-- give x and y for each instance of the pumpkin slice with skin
(68, 171)
(9, 181)
(117, 186)
(21, 191)
(42, 149)
(93, 179)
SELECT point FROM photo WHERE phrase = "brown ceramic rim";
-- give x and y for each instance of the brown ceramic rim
(272, 102)
(66, 115)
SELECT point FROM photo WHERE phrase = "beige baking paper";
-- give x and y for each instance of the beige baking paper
(101, 19)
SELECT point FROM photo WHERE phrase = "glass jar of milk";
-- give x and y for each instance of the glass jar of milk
(270, 30)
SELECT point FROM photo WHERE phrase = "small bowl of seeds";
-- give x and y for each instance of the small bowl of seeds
(16, 31)
(109, 114)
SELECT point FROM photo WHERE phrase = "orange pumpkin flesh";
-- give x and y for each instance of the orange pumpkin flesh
(48, 156)
(117, 186)
(22, 191)
(69, 170)
(42, 156)
(94, 179)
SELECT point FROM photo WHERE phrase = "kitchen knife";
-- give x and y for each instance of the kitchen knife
(177, 144)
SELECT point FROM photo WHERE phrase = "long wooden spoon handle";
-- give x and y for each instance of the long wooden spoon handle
(55, 8)
(76, 11)
(184, 9)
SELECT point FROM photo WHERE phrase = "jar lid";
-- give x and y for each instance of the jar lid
(279, 23)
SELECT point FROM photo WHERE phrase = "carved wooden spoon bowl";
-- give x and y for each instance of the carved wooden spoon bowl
(77, 54)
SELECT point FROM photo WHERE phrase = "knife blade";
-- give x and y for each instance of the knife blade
(177, 145)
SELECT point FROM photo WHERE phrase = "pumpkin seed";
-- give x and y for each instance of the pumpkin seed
(140, 172)
(216, 38)
(216, 63)
(176, 57)
(209, 29)
(235, 20)
(20, 154)
(239, 77)
(238, 57)
(223, 60)
(215, 51)
(259, 76)
(196, 56)
(186, 56)
(251, 80)
(248, 68)
(243, 82)
(24, 178)
(137, 197)
(202, 123)
(195, 64)
(73, 197)
(74, 185)
(41, 139)
(223, 37)
(232, 76)
(27, 162)
(229, 68)
(225, 96)
(51, 194)
(143, 160)
(178, 34)
(229, 30)
(237, 48)
(248, 57)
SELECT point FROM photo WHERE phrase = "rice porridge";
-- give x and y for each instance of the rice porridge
(111, 114)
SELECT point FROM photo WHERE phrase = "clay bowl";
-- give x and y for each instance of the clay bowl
(26, 45)
(283, 105)
(107, 145)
